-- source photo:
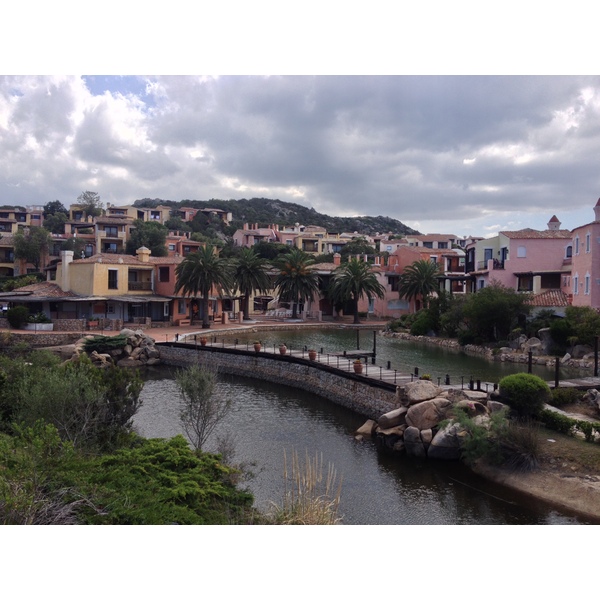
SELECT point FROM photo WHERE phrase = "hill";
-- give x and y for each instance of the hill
(265, 211)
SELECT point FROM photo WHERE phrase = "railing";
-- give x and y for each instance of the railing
(145, 286)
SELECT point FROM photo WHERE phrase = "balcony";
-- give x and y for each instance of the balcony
(139, 286)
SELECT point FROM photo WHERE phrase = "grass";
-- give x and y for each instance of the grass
(309, 497)
(573, 453)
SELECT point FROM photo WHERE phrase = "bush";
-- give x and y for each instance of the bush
(526, 394)
(564, 396)
(556, 421)
(519, 446)
(423, 324)
(39, 318)
(17, 316)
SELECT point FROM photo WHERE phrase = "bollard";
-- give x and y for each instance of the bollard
(479, 385)
(471, 383)
(556, 370)
(389, 365)
(416, 371)
(447, 379)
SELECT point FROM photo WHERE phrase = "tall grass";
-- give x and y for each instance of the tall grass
(309, 498)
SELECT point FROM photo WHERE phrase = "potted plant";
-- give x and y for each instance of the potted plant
(312, 354)
(425, 377)
(282, 349)
(203, 341)
(358, 366)
(93, 323)
(257, 346)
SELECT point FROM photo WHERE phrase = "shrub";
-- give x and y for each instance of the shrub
(423, 324)
(564, 396)
(556, 421)
(39, 317)
(519, 446)
(105, 343)
(17, 316)
(526, 394)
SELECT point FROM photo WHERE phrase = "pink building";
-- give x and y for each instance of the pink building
(585, 267)
(527, 260)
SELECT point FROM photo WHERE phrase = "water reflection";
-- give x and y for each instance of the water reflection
(268, 419)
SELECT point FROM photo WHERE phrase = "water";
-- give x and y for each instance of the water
(267, 420)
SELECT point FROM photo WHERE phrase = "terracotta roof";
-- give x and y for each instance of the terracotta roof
(554, 219)
(127, 259)
(44, 289)
(550, 298)
(532, 234)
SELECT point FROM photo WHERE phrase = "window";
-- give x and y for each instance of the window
(587, 242)
(488, 254)
(569, 252)
(481, 284)
(181, 307)
(442, 245)
(576, 285)
(172, 247)
(576, 245)
(587, 284)
(110, 231)
(428, 244)
(113, 279)
(433, 259)
(163, 273)
(521, 251)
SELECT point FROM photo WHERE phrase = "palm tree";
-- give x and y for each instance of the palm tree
(199, 272)
(353, 280)
(419, 280)
(250, 275)
(296, 281)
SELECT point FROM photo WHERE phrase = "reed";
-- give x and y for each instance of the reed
(310, 497)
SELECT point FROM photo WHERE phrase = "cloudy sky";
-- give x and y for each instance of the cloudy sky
(466, 154)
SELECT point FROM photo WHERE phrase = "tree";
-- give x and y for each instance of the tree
(54, 208)
(201, 410)
(353, 280)
(419, 280)
(199, 272)
(31, 245)
(55, 223)
(90, 203)
(150, 234)
(492, 312)
(296, 281)
(250, 275)
(357, 246)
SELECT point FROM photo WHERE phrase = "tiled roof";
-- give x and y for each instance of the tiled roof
(127, 259)
(550, 298)
(45, 289)
(533, 234)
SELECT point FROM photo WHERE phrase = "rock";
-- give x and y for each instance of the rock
(426, 436)
(472, 408)
(446, 443)
(466, 394)
(393, 418)
(545, 338)
(367, 428)
(399, 446)
(427, 414)
(533, 345)
(566, 358)
(592, 397)
(580, 351)
(385, 439)
(129, 362)
(413, 443)
(152, 361)
(494, 406)
(418, 391)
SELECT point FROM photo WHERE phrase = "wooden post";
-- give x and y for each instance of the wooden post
(357, 338)
(596, 356)
(556, 367)
(529, 361)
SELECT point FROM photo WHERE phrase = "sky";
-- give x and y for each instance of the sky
(468, 155)
(459, 140)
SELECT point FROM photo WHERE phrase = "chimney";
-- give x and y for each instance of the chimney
(337, 259)
(553, 224)
(67, 259)
(597, 211)
(143, 254)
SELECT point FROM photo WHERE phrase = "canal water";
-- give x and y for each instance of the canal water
(268, 420)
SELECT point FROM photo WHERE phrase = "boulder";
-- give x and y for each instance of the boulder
(592, 397)
(386, 439)
(393, 418)
(418, 391)
(533, 345)
(566, 358)
(580, 351)
(367, 429)
(427, 414)
(413, 443)
(472, 408)
(426, 436)
(494, 406)
(446, 443)
(545, 338)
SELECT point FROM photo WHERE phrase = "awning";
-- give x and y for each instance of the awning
(136, 299)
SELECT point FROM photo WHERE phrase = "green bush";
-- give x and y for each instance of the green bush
(423, 324)
(556, 421)
(564, 396)
(526, 394)
(17, 316)
(103, 344)
(39, 318)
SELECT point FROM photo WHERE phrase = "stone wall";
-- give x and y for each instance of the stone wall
(44, 339)
(370, 398)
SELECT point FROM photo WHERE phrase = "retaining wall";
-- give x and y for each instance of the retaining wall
(370, 398)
